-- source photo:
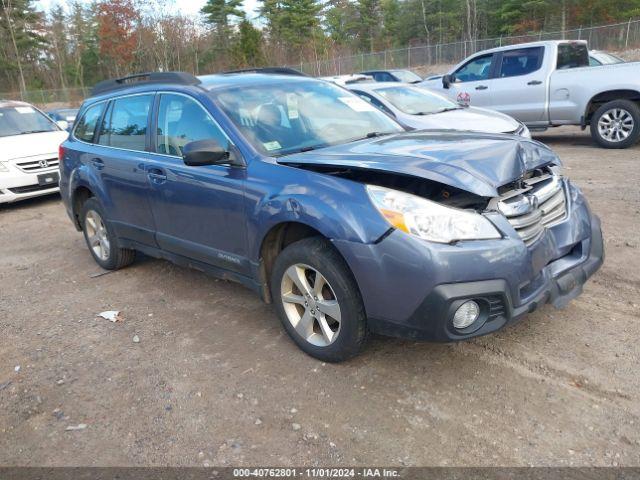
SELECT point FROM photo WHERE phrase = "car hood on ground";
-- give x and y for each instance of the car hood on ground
(476, 162)
(471, 119)
(31, 144)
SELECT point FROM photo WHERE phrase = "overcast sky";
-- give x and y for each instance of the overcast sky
(186, 6)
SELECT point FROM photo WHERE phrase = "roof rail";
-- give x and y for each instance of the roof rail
(271, 70)
(180, 78)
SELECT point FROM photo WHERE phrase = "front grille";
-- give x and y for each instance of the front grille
(35, 166)
(537, 204)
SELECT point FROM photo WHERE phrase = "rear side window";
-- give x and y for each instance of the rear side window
(521, 62)
(86, 126)
(572, 55)
(125, 124)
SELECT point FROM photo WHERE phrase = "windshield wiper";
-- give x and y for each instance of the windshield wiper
(302, 150)
(377, 134)
(442, 110)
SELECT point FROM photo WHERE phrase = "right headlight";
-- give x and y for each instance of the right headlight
(3, 167)
(430, 220)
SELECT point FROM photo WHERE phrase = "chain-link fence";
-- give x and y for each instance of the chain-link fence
(616, 37)
(49, 99)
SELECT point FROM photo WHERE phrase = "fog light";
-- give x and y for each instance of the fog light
(466, 314)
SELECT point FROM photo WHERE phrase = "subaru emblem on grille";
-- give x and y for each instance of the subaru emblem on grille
(43, 163)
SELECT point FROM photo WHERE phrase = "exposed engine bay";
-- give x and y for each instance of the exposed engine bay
(421, 187)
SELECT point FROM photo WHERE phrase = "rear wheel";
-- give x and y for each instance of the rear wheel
(318, 301)
(101, 240)
(616, 124)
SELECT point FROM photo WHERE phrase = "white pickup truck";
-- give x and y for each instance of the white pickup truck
(548, 84)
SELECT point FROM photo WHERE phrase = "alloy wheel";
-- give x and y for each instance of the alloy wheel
(97, 235)
(311, 305)
(615, 125)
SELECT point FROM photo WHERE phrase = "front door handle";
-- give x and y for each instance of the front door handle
(156, 175)
(481, 87)
(534, 82)
(98, 163)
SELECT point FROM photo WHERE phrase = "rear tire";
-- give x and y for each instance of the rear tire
(616, 124)
(101, 239)
(318, 300)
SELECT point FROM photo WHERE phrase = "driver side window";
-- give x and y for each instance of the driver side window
(182, 120)
(477, 69)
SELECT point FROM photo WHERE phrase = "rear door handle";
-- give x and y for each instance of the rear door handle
(98, 163)
(481, 87)
(156, 175)
(534, 82)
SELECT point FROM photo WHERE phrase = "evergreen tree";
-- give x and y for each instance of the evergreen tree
(369, 23)
(221, 14)
(248, 49)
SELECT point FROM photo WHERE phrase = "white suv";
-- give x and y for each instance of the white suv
(29, 142)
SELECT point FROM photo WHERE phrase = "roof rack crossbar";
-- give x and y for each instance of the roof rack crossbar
(180, 78)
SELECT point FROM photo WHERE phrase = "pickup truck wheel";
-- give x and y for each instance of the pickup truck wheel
(616, 124)
(318, 301)
(101, 240)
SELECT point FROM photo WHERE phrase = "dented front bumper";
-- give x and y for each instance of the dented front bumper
(411, 287)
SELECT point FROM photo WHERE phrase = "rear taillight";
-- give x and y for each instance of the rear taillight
(61, 152)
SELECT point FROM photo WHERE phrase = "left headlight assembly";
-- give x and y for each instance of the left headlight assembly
(3, 167)
(430, 220)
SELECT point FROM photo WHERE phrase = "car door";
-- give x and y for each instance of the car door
(118, 158)
(472, 84)
(520, 86)
(199, 211)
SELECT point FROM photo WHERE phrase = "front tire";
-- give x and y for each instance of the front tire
(616, 124)
(318, 300)
(101, 240)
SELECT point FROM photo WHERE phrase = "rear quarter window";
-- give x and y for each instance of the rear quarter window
(522, 61)
(86, 126)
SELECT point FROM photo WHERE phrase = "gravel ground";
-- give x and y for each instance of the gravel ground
(214, 380)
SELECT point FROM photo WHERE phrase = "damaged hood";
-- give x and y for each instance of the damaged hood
(477, 163)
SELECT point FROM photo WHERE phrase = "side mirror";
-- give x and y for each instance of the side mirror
(447, 80)
(204, 152)
(63, 124)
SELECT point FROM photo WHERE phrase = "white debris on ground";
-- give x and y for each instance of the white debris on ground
(72, 428)
(111, 315)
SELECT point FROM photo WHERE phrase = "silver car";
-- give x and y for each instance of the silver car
(421, 109)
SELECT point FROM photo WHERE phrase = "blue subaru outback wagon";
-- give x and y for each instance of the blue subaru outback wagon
(325, 207)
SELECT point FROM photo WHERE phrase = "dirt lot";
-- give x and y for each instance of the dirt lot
(214, 380)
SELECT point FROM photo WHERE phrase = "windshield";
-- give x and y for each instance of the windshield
(288, 117)
(21, 120)
(406, 76)
(416, 101)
